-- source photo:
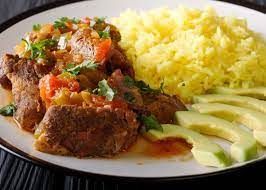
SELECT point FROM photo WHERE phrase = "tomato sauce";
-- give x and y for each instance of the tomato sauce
(160, 149)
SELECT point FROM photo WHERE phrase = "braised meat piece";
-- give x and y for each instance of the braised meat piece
(118, 60)
(86, 131)
(25, 91)
(89, 79)
(6, 65)
(86, 42)
(43, 69)
(105, 52)
(163, 106)
(130, 94)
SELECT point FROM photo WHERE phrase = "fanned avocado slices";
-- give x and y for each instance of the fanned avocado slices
(258, 92)
(253, 119)
(244, 146)
(242, 101)
(204, 151)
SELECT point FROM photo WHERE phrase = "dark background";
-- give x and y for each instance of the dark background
(16, 173)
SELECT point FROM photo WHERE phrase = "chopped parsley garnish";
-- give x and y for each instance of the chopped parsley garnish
(151, 122)
(129, 97)
(75, 70)
(144, 88)
(8, 110)
(36, 27)
(99, 20)
(60, 23)
(105, 90)
(105, 33)
(38, 49)
(128, 81)
(75, 20)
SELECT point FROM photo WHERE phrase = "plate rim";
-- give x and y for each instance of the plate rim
(61, 169)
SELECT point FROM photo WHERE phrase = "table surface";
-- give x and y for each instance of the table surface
(16, 173)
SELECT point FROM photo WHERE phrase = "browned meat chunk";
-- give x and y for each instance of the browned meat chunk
(163, 106)
(89, 78)
(25, 91)
(87, 131)
(6, 64)
(43, 69)
(118, 60)
(106, 52)
(85, 42)
(130, 94)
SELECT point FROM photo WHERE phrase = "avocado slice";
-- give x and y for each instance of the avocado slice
(257, 92)
(253, 119)
(244, 146)
(242, 101)
(204, 151)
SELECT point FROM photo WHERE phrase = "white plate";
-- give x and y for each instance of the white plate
(126, 165)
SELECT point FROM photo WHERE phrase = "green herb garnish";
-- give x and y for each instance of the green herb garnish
(144, 88)
(36, 27)
(75, 20)
(162, 86)
(60, 23)
(128, 81)
(105, 90)
(105, 33)
(99, 20)
(75, 70)
(151, 122)
(129, 97)
(8, 110)
(38, 49)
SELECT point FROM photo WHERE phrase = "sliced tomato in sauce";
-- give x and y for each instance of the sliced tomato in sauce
(103, 49)
(50, 84)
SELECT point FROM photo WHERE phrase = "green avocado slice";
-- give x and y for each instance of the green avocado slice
(242, 101)
(257, 92)
(204, 151)
(244, 146)
(252, 119)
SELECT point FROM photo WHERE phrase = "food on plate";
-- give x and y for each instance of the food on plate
(75, 89)
(204, 151)
(256, 92)
(23, 76)
(88, 88)
(241, 101)
(83, 131)
(253, 119)
(192, 50)
(244, 146)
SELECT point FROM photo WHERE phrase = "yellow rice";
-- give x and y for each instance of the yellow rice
(192, 50)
